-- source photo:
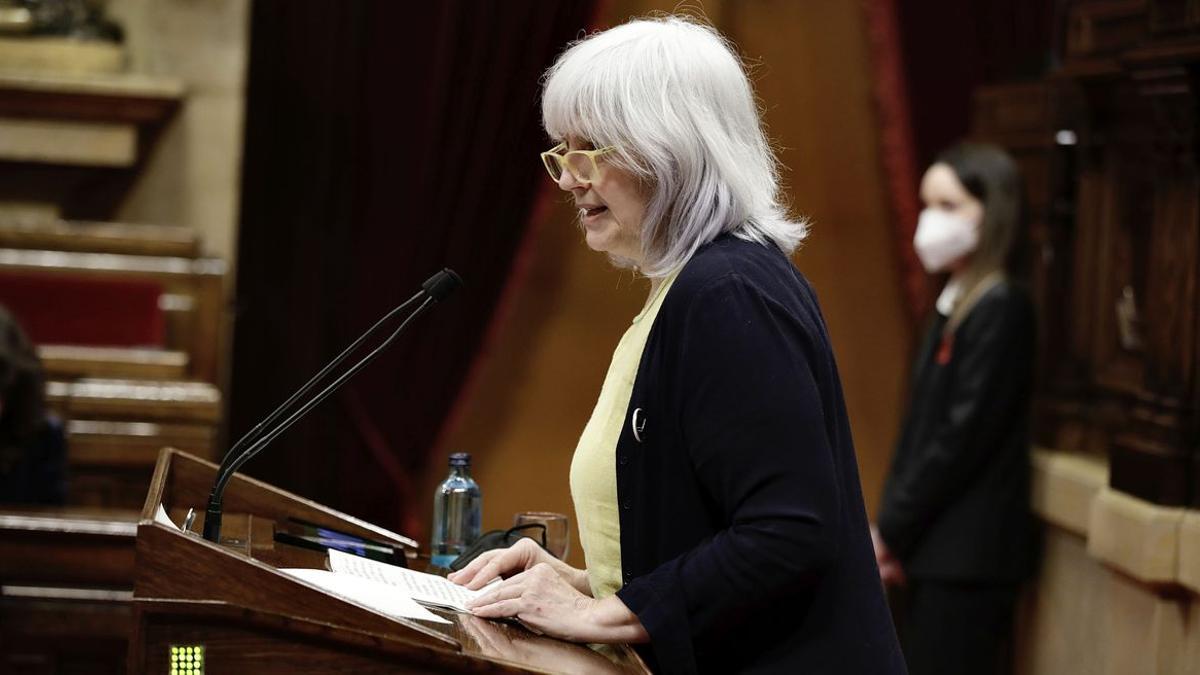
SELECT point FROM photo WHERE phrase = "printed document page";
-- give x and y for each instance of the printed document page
(160, 516)
(371, 594)
(429, 589)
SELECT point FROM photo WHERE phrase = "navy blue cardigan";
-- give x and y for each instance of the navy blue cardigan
(744, 541)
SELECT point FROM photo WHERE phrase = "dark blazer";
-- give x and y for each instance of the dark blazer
(956, 501)
(34, 470)
(744, 542)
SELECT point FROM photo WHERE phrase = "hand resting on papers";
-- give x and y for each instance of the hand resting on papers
(547, 595)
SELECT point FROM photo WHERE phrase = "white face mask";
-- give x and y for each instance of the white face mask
(943, 238)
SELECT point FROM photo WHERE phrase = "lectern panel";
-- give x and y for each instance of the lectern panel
(245, 615)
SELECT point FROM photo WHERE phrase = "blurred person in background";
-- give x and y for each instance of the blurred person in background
(32, 445)
(953, 535)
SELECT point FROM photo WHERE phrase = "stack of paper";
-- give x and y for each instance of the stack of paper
(428, 589)
(388, 589)
(370, 594)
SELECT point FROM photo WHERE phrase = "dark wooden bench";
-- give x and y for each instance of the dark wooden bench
(66, 588)
(115, 429)
(191, 293)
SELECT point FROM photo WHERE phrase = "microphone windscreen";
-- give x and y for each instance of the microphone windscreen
(442, 284)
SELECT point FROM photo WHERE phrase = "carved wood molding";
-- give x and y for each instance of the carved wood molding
(1157, 546)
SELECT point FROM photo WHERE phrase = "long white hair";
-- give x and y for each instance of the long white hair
(673, 98)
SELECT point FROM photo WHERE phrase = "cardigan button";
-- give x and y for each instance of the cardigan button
(625, 504)
(622, 460)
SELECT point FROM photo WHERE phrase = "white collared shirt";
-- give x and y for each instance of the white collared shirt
(950, 296)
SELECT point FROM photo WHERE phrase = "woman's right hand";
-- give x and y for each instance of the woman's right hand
(505, 642)
(891, 572)
(521, 556)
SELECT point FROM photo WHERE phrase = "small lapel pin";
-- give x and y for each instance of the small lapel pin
(638, 424)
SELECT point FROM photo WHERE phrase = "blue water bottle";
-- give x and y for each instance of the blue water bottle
(457, 504)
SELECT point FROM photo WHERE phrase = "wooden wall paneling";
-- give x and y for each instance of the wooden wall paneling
(1117, 216)
(1053, 258)
(1116, 345)
(1144, 465)
(1176, 243)
(1184, 215)
(1092, 204)
(1171, 292)
(1063, 373)
(1173, 16)
(1147, 254)
(1019, 116)
(1146, 302)
(1103, 27)
(1027, 118)
(1124, 225)
(1156, 456)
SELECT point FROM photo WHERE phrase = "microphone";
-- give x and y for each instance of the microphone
(442, 284)
(435, 289)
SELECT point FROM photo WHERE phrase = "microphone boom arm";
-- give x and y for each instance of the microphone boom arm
(253, 435)
(436, 288)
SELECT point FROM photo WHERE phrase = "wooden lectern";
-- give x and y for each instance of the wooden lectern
(228, 609)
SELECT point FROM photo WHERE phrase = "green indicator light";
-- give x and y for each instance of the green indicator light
(187, 659)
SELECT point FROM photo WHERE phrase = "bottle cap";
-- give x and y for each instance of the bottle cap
(460, 459)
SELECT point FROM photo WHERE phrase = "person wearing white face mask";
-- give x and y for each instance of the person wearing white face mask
(954, 533)
(944, 237)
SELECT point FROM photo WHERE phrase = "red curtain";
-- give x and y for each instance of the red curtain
(897, 147)
(384, 140)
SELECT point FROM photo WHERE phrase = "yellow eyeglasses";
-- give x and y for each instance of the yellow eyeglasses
(581, 163)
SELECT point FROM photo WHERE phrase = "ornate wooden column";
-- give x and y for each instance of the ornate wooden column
(1108, 145)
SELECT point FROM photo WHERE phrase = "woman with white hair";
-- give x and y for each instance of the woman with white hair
(715, 484)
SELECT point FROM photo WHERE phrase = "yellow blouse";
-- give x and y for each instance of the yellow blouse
(594, 468)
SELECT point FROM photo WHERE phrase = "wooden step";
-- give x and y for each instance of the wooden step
(94, 237)
(135, 400)
(103, 443)
(192, 292)
(72, 362)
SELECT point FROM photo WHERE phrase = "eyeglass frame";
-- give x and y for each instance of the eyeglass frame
(561, 160)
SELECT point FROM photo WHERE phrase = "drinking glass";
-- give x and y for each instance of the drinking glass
(558, 537)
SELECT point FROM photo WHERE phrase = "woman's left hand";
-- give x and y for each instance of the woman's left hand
(544, 602)
(541, 600)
